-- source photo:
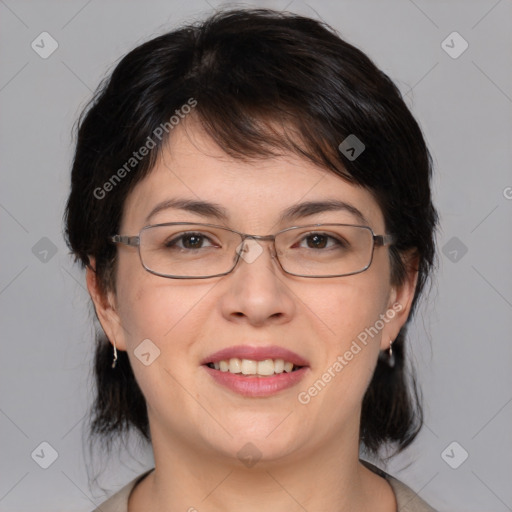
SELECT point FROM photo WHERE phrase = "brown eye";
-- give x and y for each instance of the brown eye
(188, 241)
(322, 241)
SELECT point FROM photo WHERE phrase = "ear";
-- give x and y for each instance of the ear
(400, 300)
(105, 307)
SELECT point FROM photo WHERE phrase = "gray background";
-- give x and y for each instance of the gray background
(461, 338)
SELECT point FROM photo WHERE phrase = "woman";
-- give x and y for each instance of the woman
(251, 200)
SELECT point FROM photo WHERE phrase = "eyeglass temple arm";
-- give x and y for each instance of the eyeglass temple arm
(134, 241)
(384, 239)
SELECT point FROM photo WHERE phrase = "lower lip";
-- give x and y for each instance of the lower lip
(252, 386)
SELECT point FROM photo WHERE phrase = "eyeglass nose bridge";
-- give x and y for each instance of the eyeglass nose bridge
(252, 254)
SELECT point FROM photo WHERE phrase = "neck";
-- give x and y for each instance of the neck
(328, 478)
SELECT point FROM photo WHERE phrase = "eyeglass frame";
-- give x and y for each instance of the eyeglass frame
(134, 241)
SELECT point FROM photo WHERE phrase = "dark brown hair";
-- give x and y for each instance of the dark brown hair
(250, 71)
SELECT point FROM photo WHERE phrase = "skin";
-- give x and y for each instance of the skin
(309, 453)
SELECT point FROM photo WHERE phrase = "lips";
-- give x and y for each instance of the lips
(256, 386)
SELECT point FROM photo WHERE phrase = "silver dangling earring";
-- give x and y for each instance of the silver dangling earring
(391, 356)
(115, 355)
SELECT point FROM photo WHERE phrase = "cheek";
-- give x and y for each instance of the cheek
(350, 306)
(160, 319)
(158, 309)
(150, 306)
(350, 349)
(349, 319)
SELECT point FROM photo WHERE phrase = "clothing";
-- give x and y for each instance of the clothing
(407, 500)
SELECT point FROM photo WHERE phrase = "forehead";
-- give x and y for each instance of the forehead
(254, 194)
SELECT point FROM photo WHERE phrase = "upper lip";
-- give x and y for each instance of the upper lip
(255, 353)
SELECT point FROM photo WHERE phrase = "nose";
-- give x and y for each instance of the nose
(256, 291)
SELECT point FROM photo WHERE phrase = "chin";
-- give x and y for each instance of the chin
(262, 439)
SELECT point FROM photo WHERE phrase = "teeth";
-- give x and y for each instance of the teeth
(252, 367)
(249, 367)
(235, 365)
(266, 367)
(278, 366)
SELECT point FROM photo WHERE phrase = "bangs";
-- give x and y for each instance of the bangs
(250, 133)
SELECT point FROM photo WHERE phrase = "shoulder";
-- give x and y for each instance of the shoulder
(407, 500)
(119, 501)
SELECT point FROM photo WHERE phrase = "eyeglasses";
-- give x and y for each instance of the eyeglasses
(186, 250)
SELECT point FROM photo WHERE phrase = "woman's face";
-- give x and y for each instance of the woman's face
(336, 326)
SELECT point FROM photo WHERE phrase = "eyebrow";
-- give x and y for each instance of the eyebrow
(297, 211)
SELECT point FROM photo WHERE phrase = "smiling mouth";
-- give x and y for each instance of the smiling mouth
(253, 368)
